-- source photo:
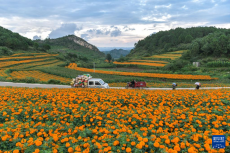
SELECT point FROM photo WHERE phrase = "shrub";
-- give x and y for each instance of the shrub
(26, 80)
(52, 81)
(5, 51)
(176, 65)
(190, 68)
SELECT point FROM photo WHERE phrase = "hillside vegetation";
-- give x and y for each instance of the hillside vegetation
(74, 49)
(14, 40)
(201, 41)
(11, 42)
(70, 48)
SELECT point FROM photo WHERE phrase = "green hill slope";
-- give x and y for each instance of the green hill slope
(72, 49)
(200, 40)
(10, 40)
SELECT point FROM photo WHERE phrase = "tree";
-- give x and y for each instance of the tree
(188, 39)
(109, 57)
(36, 46)
(195, 48)
(46, 47)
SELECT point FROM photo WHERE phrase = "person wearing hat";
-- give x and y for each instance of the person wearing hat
(174, 86)
(198, 84)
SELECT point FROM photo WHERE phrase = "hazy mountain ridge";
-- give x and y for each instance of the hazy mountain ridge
(117, 53)
(102, 49)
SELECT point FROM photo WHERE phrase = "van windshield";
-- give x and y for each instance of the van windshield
(102, 82)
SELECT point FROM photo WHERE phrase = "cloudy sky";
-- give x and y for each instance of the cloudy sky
(109, 23)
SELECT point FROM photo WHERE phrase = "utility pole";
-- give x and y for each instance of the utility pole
(94, 66)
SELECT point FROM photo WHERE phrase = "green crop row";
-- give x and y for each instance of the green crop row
(218, 64)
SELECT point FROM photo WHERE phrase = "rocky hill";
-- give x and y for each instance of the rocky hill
(71, 42)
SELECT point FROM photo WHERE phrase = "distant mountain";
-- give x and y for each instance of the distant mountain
(116, 53)
(74, 45)
(111, 48)
(70, 41)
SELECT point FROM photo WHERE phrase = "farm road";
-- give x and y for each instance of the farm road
(32, 85)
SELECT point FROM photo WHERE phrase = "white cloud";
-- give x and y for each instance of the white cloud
(64, 30)
(197, 1)
(143, 2)
(157, 17)
(163, 6)
(184, 7)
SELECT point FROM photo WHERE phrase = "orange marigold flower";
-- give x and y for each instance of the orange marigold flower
(16, 151)
(38, 143)
(115, 143)
(139, 146)
(133, 143)
(156, 144)
(70, 149)
(67, 144)
(145, 139)
(128, 149)
(167, 141)
(177, 147)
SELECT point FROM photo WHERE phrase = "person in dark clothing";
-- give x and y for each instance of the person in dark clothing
(174, 86)
(198, 85)
(132, 83)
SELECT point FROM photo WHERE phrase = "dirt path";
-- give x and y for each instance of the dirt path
(33, 85)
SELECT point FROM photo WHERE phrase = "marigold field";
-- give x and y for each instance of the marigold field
(112, 120)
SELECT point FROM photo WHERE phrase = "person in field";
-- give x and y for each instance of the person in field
(133, 83)
(198, 85)
(174, 86)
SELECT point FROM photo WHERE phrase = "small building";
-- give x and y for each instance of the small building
(197, 64)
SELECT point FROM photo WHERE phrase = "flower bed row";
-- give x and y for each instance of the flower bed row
(151, 75)
(9, 63)
(51, 62)
(2, 73)
(27, 57)
(149, 61)
(101, 120)
(139, 63)
(41, 76)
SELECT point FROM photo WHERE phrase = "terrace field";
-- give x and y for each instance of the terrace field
(47, 68)
(169, 55)
(154, 61)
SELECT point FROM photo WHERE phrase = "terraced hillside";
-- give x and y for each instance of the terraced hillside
(46, 68)
(28, 67)
(159, 60)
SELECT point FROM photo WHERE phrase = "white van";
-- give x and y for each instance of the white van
(97, 83)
